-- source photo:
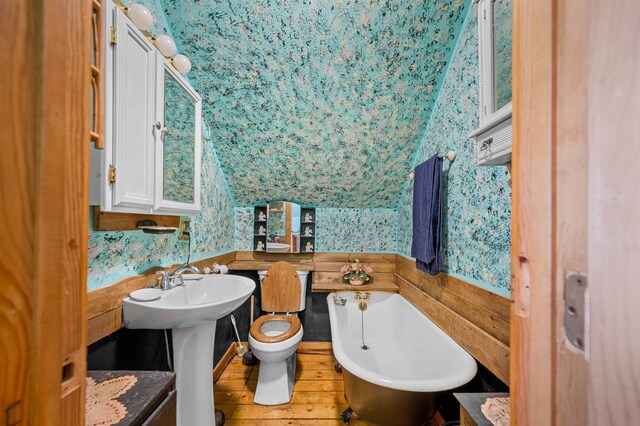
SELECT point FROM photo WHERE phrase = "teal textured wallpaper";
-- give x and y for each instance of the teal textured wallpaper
(117, 255)
(477, 200)
(330, 104)
(337, 230)
(319, 102)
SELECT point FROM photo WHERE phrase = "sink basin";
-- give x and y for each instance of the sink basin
(191, 311)
(278, 247)
(206, 299)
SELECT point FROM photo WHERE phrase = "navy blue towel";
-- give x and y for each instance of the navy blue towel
(426, 246)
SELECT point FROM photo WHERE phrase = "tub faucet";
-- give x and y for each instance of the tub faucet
(359, 296)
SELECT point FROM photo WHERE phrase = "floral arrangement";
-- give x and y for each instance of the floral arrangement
(356, 271)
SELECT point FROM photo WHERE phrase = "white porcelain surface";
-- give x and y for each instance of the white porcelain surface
(277, 367)
(191, 311)
(406, 350)
(191, 304)
(278, 247)
(146, 294)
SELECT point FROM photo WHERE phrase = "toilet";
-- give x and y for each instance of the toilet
(274, 337)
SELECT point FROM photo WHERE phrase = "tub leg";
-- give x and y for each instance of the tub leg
(338, 368)
(346, 415)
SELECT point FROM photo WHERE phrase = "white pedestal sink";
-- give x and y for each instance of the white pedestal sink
(191, 311)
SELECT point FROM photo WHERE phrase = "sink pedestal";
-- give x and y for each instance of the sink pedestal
(191, 311)
(193, 365)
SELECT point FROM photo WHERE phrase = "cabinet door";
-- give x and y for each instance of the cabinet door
(178, 143)
(133, 111)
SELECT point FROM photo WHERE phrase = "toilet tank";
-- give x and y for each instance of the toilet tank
(302, 275)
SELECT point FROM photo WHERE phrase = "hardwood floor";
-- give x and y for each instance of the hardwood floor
(318, 393)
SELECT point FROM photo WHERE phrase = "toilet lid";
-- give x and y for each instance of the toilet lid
(281, 289)
(260, 328)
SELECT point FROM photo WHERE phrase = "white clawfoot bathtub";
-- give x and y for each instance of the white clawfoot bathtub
(408, 359)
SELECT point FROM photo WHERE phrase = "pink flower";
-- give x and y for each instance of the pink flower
(345, 269)
(368, 270)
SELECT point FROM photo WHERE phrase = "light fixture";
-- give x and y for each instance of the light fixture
(166, 45)
(140, 16)
(181, 63)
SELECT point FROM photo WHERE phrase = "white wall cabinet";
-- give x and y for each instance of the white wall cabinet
(152, 157)
(493, 137)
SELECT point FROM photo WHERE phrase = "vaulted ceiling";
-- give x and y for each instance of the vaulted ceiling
(317, 101)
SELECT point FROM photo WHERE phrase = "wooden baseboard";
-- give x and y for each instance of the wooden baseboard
(317, 348)
(225, 360)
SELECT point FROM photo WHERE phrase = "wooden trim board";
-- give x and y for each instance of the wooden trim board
(443, 286)
(44, 129)
(532, 210)
(226, 359)
(109, 221)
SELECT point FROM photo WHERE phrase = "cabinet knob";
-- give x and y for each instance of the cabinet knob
(163, 130)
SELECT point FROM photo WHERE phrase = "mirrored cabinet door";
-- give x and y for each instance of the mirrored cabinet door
(178, 144)
(502, 35)
(494, 136)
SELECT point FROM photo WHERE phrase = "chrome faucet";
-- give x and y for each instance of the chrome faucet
(174, 279)
(185, 268)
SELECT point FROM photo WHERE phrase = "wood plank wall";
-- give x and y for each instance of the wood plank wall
(475, 318)
(104, 305)
(326, 267)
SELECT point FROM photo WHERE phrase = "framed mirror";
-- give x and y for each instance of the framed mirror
(283, 227)
(178, 156)
(493, 137)
(178, 160)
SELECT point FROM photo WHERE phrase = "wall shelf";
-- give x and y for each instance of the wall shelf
(326, 287)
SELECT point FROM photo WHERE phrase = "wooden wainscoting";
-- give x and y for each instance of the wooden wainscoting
(104, 305)
(327, 277)
(326, 267)
(475, 318)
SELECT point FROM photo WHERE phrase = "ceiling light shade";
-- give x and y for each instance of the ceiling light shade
(166, 45)
(140, 16)
(181, 63)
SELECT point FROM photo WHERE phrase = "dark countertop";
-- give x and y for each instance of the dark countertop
(150, 389)
(472, 403)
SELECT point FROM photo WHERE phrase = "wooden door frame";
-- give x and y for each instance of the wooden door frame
(44, 128)
(575, 179)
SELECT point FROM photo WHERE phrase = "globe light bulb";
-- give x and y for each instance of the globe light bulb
(181, 63)
(166, 45)
(140, 16)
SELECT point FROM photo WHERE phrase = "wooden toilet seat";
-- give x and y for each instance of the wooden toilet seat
(256, 328)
